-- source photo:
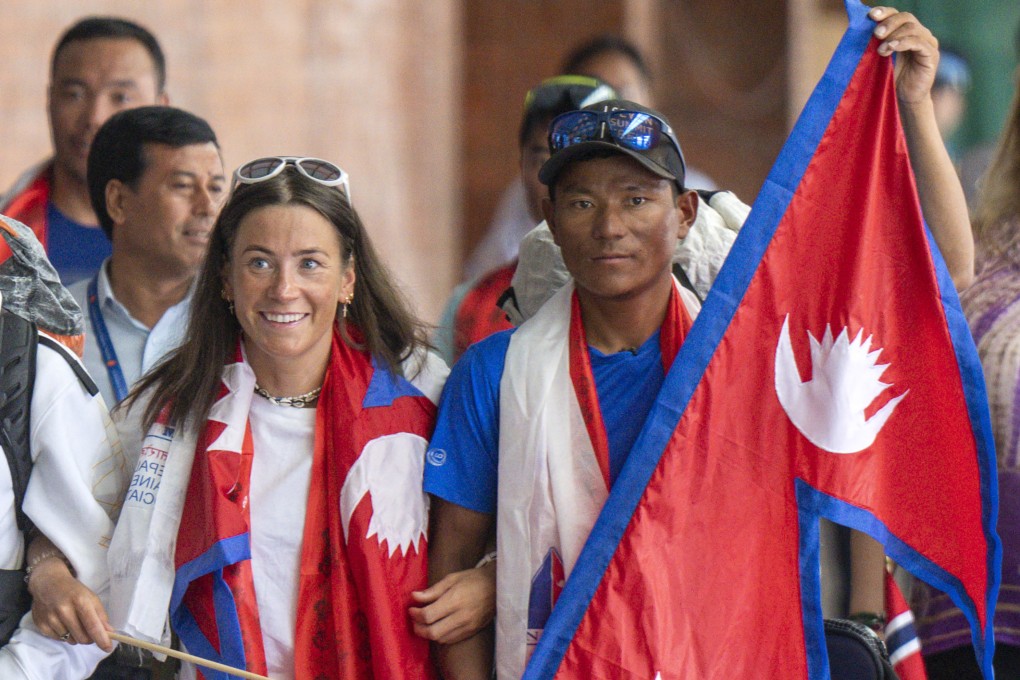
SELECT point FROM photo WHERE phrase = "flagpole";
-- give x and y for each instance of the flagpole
(134, 642)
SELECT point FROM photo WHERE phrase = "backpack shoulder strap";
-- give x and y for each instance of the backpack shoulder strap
(83, 376)
(19, 341)
(17, 376)
(685, 280)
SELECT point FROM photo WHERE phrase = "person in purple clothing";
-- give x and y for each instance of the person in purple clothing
(992, 306)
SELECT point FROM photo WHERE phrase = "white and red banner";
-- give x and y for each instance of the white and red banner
(901, 635)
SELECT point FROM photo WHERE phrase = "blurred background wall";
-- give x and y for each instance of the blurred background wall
(374, 85)
(420, 99)
(985, 32)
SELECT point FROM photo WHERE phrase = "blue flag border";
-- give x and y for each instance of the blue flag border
(692, 361)
(221, 554)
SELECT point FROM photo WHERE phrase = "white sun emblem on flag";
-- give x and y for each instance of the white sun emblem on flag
(389, 469)
(845, 379)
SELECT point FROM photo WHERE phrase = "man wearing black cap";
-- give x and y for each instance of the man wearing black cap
(544, 418)
(617, 208)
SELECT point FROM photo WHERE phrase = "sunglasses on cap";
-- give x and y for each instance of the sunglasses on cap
(325, 173)
(579, 91)
(635, 130)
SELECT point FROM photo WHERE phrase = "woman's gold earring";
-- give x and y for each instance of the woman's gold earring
(347, 302)
(230, 303)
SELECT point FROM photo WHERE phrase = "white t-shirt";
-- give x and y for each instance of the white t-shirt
(284, 441)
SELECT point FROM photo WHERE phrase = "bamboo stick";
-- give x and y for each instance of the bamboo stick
(128, 640)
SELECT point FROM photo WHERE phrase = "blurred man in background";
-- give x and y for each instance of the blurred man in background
(100, 65)
(472, 312)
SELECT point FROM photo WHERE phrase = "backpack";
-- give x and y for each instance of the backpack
(855, 652)
(19, 340)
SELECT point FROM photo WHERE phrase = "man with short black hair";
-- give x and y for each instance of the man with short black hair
(535, 424)
(100, 65)
(617, 214)
(156, 181)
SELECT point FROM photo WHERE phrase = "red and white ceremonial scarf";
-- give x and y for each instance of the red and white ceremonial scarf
(364, 546)
(553, 463)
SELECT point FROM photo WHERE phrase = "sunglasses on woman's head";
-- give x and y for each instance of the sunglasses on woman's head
(325, 173)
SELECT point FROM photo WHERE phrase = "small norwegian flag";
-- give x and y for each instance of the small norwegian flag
(900, 634)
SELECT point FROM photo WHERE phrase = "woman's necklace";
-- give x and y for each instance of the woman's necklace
(300, 401)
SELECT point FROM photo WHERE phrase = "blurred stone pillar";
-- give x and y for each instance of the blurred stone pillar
(815, 28)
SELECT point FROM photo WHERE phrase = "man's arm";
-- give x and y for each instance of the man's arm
(459, 604)
(938, 186)
(457, 541)
(461, 476)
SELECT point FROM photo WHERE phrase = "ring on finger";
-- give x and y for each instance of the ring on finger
(66, 636)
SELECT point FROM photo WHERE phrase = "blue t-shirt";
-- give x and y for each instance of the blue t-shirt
(463, 457)
(76, 251)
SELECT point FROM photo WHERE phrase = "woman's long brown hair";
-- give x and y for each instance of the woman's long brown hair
(998, 208)
(187, 382)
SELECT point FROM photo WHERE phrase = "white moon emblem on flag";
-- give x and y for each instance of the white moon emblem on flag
(389, 468)
(845, 379)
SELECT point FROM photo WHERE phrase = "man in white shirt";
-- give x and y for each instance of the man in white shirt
(70, 456)
(157, 183)
(74, 446)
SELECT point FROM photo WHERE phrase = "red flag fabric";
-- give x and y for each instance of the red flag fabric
(829, 374)
(363, 549)
(478, 316)
(901, 635)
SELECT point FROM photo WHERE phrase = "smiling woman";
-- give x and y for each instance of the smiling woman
(286, 275)
(292, 309)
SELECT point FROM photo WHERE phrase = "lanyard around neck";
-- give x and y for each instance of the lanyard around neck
(105, 342)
